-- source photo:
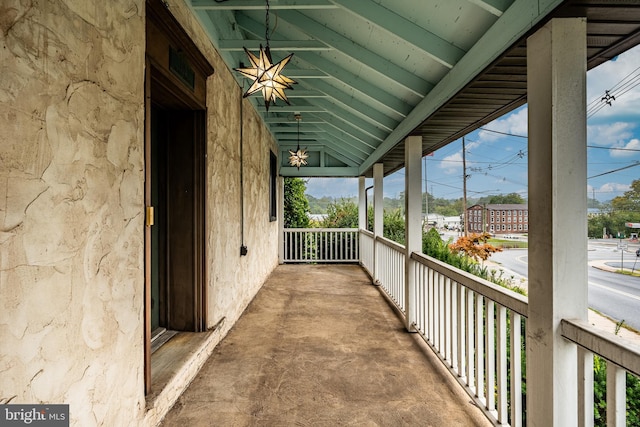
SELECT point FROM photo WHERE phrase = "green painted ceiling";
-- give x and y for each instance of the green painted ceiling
(371, 72)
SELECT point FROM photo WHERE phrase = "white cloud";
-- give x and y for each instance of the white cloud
(514, 123)
(633, 144)
(618, 76)
(614, 135)
(610, 135)
(452, 164)
(609, 188)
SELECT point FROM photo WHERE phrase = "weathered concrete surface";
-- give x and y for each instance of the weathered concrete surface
(320, 346)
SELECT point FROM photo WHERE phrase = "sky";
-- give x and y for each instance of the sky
(496, 154)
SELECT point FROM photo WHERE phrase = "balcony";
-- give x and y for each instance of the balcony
(321, 344)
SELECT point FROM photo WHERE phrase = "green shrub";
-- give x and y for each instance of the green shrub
(600, 395)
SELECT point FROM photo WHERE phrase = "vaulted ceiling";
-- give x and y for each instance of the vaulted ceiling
(371, 72)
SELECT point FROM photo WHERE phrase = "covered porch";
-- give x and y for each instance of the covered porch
(320, 345)
(88, 269)
(401, 338)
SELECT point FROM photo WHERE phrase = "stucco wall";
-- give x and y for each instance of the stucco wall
(71, 115)
(71, 204)
(233, 280)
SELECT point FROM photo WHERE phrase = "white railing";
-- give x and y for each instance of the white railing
(470, 323)
(366, 250)
(390, 257)
(321, 245)
(621, 357)
(473, 325)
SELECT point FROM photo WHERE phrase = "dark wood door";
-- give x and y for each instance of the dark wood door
(175, 156)
(184, 213)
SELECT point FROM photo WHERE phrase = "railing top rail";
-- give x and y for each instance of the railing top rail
(315, 230)
(503, 296)
(367, 232)
(390, 243)
(610, 346)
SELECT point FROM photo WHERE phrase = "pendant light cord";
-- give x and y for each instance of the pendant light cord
(298, 120)
(266, 21)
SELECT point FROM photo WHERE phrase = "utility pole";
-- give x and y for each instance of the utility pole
(426, 190)
(464, 186)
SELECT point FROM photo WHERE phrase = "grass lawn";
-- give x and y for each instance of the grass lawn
(508, 244)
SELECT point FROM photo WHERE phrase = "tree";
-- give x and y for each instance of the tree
(475, 246)
(444, 207)
(446, 211)
(321, 205)
(341, 214)
(625, 208)
(296, 205)
(502, 199)
(393, 225)
(630, 200)
(344, 214)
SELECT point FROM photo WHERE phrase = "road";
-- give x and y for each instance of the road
(615, 295)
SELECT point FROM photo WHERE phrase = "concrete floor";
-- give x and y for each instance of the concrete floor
(319, 346)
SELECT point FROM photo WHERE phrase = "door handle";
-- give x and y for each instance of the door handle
(149, 216)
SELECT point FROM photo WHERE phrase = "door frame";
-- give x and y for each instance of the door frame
(174, 62)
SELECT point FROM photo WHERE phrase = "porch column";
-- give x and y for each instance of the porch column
(413, 213)
(281, 220)
(362, 203)
(378, 210)
(556, 90)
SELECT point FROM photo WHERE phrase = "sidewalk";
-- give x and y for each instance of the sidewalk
(605, 324)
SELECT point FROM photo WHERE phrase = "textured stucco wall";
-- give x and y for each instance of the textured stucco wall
(71, 204)
(71, 168)
(233, 280)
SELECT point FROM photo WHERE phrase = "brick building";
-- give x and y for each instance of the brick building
(498, 219)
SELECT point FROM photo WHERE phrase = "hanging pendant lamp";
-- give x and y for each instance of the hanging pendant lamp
(267, 77)
(299, 157)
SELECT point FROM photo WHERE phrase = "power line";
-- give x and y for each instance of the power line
(613, 148)
(504, 133)
(629, 82)
(616, 170)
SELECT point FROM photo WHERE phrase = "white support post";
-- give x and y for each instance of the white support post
(378, 210)
(556, 91)
(362, 203)
(281, 220)
(413, 214)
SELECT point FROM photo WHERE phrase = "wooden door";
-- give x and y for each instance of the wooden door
(175, 161)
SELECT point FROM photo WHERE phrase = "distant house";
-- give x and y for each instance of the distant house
(441, 221)
(317, 217)
(593, 212)
(498, 219)
(434, 220)
(452, 222)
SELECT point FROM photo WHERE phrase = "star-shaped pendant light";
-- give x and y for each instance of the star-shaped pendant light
(299, 157)
(267, 77)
